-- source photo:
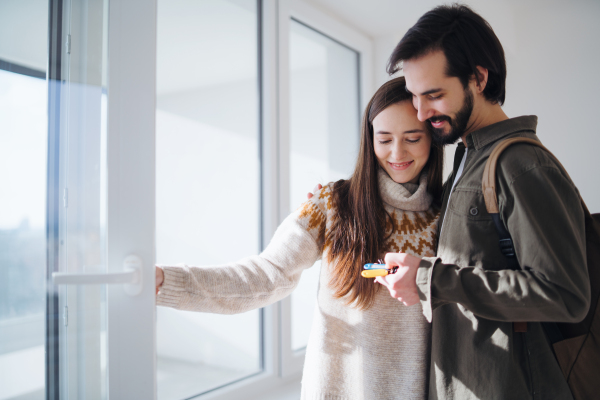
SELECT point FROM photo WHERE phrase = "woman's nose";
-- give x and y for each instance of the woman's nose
(398, 152)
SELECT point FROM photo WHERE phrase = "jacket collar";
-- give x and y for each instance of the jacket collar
(492, 133)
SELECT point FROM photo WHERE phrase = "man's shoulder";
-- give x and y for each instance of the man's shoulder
(521, 158)
(529, 171)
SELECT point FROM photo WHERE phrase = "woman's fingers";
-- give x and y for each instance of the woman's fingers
(160, 277)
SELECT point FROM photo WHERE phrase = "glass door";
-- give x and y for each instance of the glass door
(100, 207)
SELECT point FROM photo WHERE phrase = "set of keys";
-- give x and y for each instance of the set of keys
(373, 270)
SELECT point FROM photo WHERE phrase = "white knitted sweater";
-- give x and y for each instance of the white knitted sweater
(377, 354)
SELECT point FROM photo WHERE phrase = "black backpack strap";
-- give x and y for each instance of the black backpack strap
(506, 244)
(506, 247)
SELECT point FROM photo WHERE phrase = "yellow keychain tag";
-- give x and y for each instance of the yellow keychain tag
(372, 273)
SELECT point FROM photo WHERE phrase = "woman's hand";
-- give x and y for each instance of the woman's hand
(160, 277)
(318, 187)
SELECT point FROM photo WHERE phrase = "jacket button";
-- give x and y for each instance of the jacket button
(474, 211)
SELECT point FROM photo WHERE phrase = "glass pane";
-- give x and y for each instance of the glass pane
(23, 168)
(208, 181)
(77, 239)
(23, 139)
(324, 138)
(24, 33)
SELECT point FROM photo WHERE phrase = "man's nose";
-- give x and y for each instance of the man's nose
(424, 112)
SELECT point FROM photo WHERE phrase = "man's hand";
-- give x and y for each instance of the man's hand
(160, 277)
(318, 187)
(403, 284)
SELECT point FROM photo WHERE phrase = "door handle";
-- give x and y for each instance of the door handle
(131, 277)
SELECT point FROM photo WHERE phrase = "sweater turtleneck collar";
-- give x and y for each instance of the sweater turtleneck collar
(407, 196)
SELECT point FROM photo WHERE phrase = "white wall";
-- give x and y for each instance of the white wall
(552, 53)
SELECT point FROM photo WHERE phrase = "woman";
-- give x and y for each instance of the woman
(363, 344)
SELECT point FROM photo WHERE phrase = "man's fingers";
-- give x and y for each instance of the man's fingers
(409, 303)
(309, 195)
(379, 279)
(409, 300)
(401, 260)
(394, 259)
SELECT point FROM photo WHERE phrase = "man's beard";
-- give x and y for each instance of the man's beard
(458, 125)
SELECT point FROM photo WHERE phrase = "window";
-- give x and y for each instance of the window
(23, 141)
(324, 137)
(207, 182)
(23, 168)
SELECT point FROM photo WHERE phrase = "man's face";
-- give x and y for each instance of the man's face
(440, 100)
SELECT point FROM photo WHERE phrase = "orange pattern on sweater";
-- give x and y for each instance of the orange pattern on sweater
(410, 232)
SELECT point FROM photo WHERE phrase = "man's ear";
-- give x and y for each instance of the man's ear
(482, 77)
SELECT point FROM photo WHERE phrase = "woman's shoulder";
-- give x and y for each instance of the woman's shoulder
(323, 199)
(312, 215)
(316, 211)
(320, 203)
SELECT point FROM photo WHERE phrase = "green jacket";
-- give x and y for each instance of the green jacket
(472, 297)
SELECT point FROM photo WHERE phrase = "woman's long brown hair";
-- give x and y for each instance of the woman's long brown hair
(358, 234)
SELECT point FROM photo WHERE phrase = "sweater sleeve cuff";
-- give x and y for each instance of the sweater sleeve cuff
(171, 291)
(424, 275)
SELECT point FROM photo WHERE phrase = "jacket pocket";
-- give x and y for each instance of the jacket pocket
(469, 203)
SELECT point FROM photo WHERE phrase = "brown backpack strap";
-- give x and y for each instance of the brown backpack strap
(491, 202)
(520, 327)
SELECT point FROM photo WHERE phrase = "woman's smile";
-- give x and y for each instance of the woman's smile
(400, 166)
(401, 142)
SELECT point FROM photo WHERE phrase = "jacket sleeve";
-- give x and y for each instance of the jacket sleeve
(546, 222)
(252, 282)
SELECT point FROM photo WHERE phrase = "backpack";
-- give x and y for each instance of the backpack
(576, 345)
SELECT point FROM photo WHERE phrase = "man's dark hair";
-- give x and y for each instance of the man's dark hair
(467, 41)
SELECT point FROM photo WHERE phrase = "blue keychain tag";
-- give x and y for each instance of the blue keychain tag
(374, 266)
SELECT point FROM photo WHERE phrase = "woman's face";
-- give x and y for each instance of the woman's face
(402, 143)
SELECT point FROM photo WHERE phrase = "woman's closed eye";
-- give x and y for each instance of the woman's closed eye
(413, 140)
(384, 141)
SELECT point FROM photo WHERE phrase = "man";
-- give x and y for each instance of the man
(455, 69)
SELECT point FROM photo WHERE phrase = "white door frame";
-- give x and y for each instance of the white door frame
(131, 195)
